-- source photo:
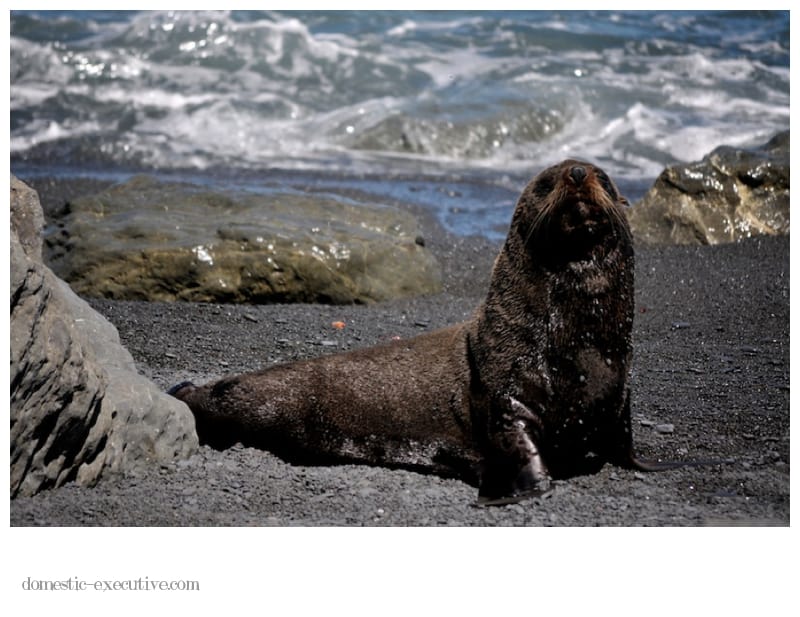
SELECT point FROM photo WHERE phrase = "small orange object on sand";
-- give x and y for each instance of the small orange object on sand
(338, 325)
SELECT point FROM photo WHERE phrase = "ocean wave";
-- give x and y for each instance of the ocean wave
(370, 89)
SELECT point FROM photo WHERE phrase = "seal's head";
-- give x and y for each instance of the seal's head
(569, 210)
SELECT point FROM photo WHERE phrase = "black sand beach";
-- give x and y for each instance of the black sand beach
(711, 380)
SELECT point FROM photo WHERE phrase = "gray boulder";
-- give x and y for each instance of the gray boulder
(78, 407)
(730, 195)
(151, 240)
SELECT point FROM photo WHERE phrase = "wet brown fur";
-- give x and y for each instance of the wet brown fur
(533, 386)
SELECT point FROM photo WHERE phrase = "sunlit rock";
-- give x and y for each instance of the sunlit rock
(730, 195)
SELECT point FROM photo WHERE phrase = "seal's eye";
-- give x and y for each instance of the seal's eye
(605, 182)
(544, 186)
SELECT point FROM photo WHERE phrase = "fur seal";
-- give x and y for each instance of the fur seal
(534, 386)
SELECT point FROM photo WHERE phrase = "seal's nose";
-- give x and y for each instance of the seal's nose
(578, 174)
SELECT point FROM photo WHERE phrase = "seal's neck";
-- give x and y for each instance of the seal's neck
(555, 251)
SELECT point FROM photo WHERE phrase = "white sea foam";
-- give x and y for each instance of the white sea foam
(43, 131)
(149, 97)
(407, 26)
(445, 68)
(26, 95)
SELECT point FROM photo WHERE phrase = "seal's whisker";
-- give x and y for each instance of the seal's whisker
(539, 222)
(619, 222)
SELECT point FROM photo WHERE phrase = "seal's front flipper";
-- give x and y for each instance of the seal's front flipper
(531, 481)
(513, 469)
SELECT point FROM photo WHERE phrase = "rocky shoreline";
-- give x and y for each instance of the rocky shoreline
(711, 380)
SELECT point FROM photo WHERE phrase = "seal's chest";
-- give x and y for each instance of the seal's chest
(590, 278)
(586, 383)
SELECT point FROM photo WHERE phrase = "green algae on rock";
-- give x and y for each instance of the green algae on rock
(150, 240)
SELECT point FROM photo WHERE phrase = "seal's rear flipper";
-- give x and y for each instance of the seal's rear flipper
(633, 462)
(624, 456)
(173, 391)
